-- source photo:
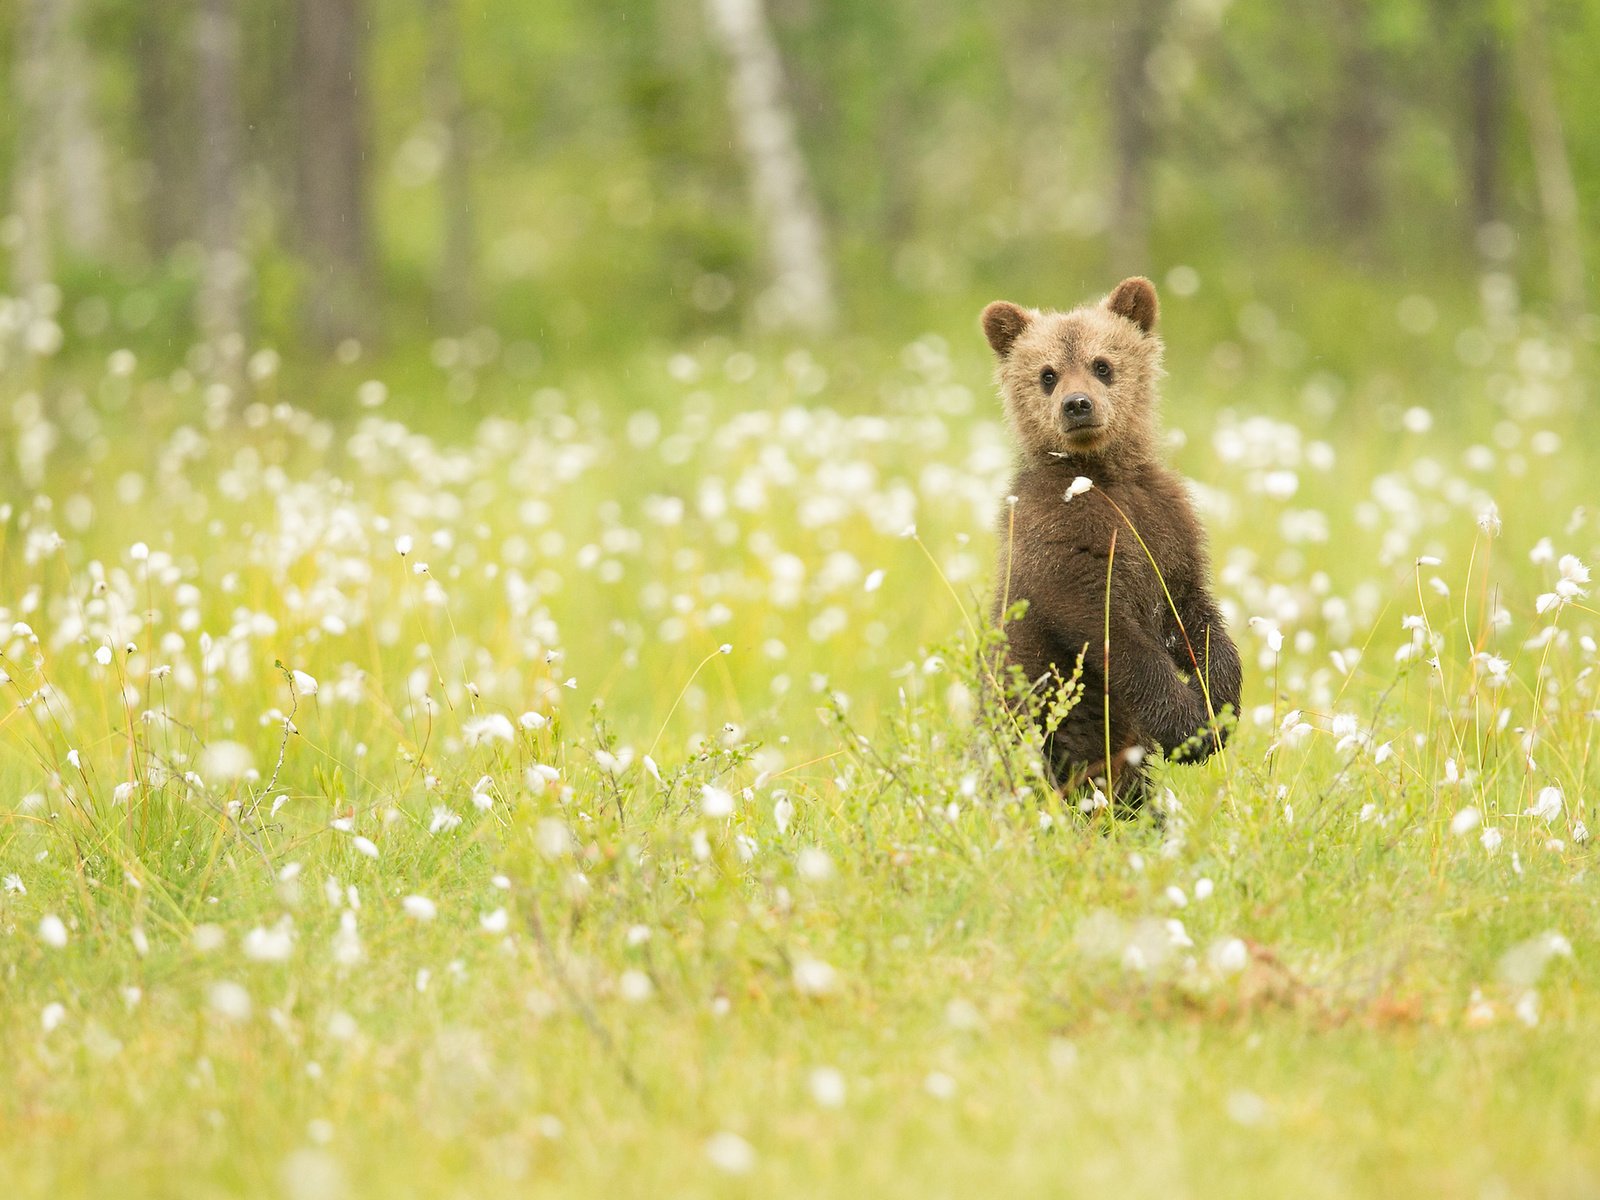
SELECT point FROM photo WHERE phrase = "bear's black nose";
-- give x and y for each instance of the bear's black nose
(1076, 408)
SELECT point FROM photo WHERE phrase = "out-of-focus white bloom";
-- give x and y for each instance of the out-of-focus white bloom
(827, 1087)
(1229, 956)
(813, 977)
(497, 921)
(52, 932)
(230, 1001)
(1491, 839)
(403, 544)
(420, 907)
(365, 846)
(716, 802)
(52, 1016)
(814, 865)
(305, 684)
(1466, 821)
(270, 945)
(491, 727)
(634, 986)
(1547, 805)
(730, 1153)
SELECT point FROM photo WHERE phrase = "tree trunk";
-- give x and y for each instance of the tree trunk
(801, 292)
(331, 173)
(80, 153)
(224, 271)
(1485, 92)
(1132, 106)
(1357, 131)
(33, 261)
(448, 110)
(1558, 190)
(166, 119)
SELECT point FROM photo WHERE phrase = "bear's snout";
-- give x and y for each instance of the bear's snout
(1077, 412)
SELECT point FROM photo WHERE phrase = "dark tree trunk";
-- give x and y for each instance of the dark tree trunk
(1558, 189)
(1132, 106)
(223, 276)
(448, 109)
(331, 166)
(166, 123)
(1485, 86)
(33, 261)
(1357, 132)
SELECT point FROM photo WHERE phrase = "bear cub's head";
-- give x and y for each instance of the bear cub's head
(1080, 384)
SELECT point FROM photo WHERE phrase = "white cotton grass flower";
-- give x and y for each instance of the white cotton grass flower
(1546, 806)
(1491, 838)
(939, 1085)
(365, 845)
(634, 986)
(532, 721)
(1524, 964)
(730, 1153)
(304, 684)
(497, 921)
(103, 656)
(813, 977)
(1228, 956)
(54, 1013)
(225, 761)
(827, 1087)
(491, 727)
(52, 931)
(1077, 487)
(403, 544)
(230, 1001)
(13, 885)
(270, 945)
(814, 865)
(716, 802)
(420, 907)
(1466, 820)
(874, 580)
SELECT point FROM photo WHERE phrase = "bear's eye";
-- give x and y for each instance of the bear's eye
(1047, 377)
(1102, 369)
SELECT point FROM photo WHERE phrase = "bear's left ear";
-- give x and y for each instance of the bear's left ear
(1135, 299)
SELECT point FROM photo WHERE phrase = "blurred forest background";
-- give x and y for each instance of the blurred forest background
(568, 180)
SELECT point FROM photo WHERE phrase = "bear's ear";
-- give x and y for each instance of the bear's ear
(1003, 323)
(1135, 299)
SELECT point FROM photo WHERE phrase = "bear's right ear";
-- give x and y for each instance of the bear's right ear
(1003, 323)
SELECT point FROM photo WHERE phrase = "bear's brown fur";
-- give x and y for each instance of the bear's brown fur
(1080, 394)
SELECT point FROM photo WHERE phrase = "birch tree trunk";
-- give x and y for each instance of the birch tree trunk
(224, 273)
(1558, 190)
(800, 295)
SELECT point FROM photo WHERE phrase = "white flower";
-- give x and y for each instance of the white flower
(1547, 806)
(403, 544)
(813, 977)
(1203, 888)
(305, 684)
(14, 886)
(827, 1087)
(103, 656)
(444, 819)
(874, 581)
(75, 760)
(552, 837)
(532, 721)
(716, 802)
(52, 932)
(225, 761)
(1466, 821)
(1489, 520)
(1229, 956)
(1491, 839)
(491, 727)
(230, 1001)
(497, 921)
(782, 812)
(270, 945)
(52, 1016)
(731, 1153)
(939, 1085)
(420, 907)
(365, 846)
(1078, 487)
(634, 986)
(814, 865)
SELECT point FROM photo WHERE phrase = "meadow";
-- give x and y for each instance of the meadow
(462, 776)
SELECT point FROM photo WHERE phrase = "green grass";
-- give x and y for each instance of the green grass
(1367, 1002)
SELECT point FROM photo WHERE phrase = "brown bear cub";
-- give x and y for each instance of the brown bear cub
(1098, 536)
